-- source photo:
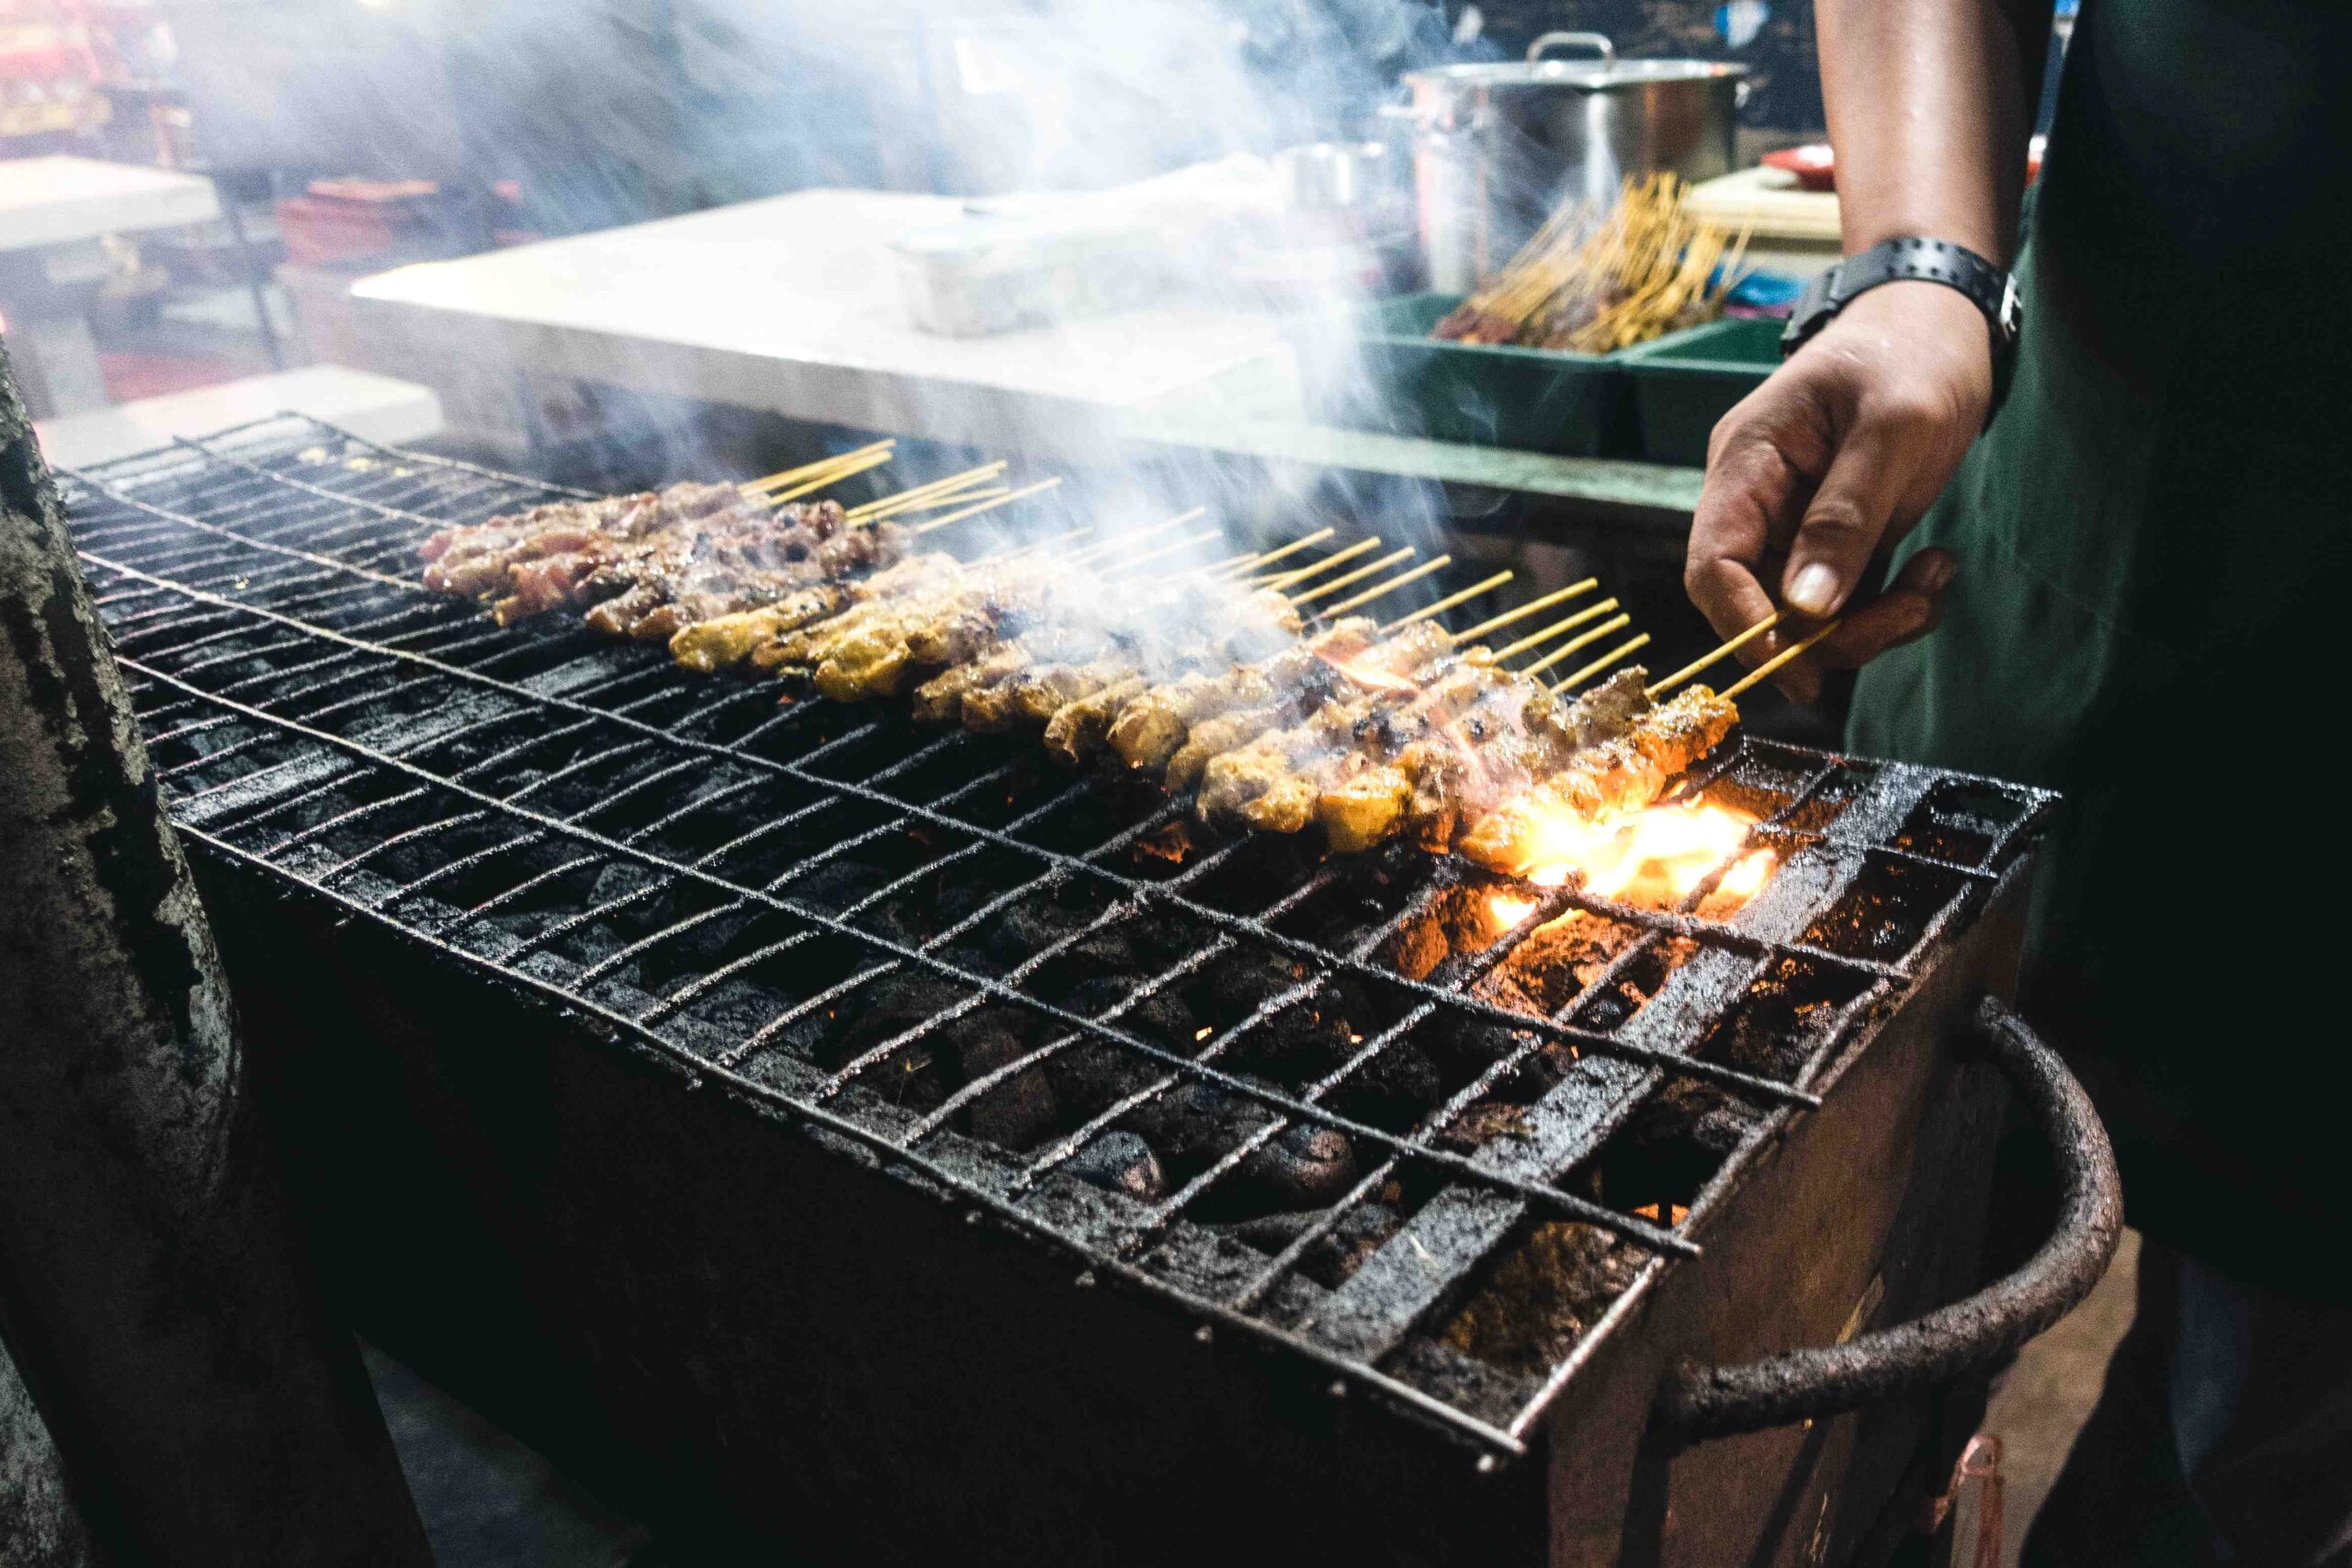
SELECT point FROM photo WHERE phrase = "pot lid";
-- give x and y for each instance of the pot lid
(1584, 61)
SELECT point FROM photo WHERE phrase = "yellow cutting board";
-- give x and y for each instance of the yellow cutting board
(1771, 198)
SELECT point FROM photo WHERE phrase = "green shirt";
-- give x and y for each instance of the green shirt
(2153, 536)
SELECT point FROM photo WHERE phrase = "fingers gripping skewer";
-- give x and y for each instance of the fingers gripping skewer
(1521, 612)
(1617, 624)
(1283, 580)
(1734, 646)
(1537, 639)
(1449, 601)
(1774, 663)
(1255, 563)
(822, 466)
(828, 478)
(999, 498)
(1349, 578)
(1382, 590)
(1631, 646)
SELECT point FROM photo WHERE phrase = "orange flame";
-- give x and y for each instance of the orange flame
(1653, 857)
(1508, 910)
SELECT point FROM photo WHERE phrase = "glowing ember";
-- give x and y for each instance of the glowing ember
(1509, 911)
(1654, 858)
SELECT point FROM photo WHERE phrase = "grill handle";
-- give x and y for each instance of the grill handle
(1969, 1335)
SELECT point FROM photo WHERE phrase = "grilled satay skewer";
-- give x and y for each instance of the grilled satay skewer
(727, 640)
(1622, 773)
(1147, 731)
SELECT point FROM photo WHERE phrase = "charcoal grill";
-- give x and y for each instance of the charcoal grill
(828, 1131)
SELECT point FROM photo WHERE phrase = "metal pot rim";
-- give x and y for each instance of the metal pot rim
(1578, 75)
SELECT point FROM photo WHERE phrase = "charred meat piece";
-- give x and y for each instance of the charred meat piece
(1619, 774)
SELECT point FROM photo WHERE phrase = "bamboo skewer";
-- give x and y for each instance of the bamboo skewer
(1011, 551)
(1337, 558)
(1632, 644)
(907, 500)
(1177, 547)
(1382, 590)
(956, 498)
(1521, 612)
(1603, 630)
(988, 503)
(810, 470)
(898, 505)
(1774, 663)
(1734, 646)
(1347, 579)
(1536, 639)
(1123, 541)
(830, 477)
(1449, 601)
(1256, 563)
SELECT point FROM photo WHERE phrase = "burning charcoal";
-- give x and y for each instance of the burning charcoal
(1090, 1076)
(1120, 1162)
(1695, 1114)
(1394, 1088)
(879, 1012)
(1025, 928)
(1482, 1122)
(1361, 1232)
(1540, 1300)
(1017, 1112)
(1161, 1017)
(1304, 1166)
(1198, 1119)
(617, 881)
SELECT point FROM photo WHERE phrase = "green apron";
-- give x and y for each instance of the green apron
(2154, 536)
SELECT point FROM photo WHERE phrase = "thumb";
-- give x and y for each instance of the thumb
(1848, 516)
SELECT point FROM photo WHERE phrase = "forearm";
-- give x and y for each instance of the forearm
(1931, 102)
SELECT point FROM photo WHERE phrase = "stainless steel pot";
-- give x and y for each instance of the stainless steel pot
(1499, 145)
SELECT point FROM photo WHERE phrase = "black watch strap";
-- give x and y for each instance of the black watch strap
(1991, 290)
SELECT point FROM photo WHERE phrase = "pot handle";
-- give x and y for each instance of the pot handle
(1969, 1335)
(1598, 43)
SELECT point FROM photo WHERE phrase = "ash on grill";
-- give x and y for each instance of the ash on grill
(1264, 1085)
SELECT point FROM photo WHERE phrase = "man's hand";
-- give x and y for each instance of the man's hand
(1832, 460)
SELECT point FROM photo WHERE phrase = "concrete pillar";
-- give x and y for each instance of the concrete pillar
(152, 1290)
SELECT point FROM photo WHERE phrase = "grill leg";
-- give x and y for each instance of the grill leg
(151, 1289)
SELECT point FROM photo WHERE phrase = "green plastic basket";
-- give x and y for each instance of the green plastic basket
(1379, 370)
(1686, 382)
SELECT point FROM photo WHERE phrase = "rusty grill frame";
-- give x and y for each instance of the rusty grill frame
(293, 542)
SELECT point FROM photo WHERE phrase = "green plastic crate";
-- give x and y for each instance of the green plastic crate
(1686, 382)
(1379, 370)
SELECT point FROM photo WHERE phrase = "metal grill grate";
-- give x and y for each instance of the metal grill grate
(692, 867)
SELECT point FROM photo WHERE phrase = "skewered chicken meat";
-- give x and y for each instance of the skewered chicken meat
(1193, 681)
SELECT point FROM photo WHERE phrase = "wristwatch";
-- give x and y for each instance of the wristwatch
(1991, 290)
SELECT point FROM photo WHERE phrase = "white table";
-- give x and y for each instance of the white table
(376, 408)
(52, 213)
(790, 304)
